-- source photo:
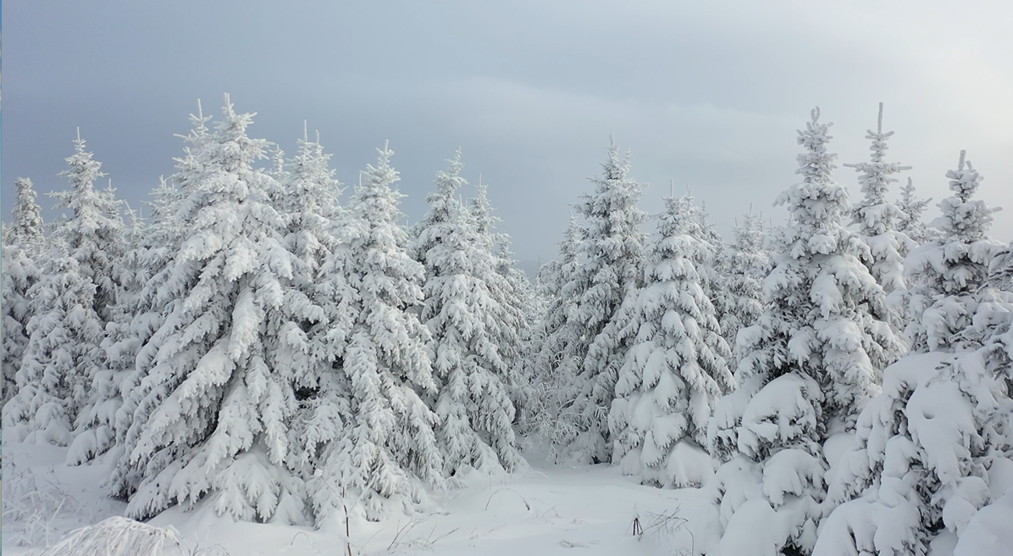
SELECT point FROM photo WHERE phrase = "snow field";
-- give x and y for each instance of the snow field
(541, 509)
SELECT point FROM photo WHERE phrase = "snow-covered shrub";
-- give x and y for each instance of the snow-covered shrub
(933, 448)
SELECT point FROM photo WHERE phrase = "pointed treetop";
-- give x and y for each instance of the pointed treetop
(879, 120)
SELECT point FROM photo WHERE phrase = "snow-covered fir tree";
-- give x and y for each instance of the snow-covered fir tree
(512, 292)
(612, 270)
(947, 274)
(210, 417)
(878, 219)
(675, 369)
(934, 448)
(741, 269)
(93, 233)
(812, 360)
(465, 319)
(23, 243)
(96, 422)
(26, 226)
(62, 356)
(554, 363)
(910, 222)
(366, 430)
(309, 201)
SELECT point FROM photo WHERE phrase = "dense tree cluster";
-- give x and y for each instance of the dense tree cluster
(259, 348)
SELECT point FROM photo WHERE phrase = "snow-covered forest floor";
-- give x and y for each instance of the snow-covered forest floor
(543, 509)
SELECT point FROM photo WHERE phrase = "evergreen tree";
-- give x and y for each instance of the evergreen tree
(947, 273)
(878, 219)
(22, 248)
(26, 226)
(511, 290)
(555, 362)
(931, 451)
(465, 319)
(675, 369)
(370, 432)
(815, 356)
(96, 422)
(612, 254)
(910, 222)
(62, 355)
(741, 268)
(93, 233)
(209, 415)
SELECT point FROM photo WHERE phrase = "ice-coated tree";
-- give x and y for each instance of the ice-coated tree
(22, 249)
(96, 422)
(369, 433)
(309, 201)
(210, 416)
(741, 269)
(62, 355)
(675, 369)
(878, 219)
(812, 360)
(612, 270)
(931, 450)
(910, 222)
(512, 292)
(94, 232)
(947, 274)
(554, 364)
(463, 316)
(26, 226)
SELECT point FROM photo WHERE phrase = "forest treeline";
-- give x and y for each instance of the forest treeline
(285, 349)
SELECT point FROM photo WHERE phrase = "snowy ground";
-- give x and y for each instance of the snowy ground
(543, 510)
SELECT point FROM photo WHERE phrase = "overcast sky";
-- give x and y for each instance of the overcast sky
(706, 94)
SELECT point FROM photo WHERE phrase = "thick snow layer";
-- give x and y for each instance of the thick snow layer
(544, 509)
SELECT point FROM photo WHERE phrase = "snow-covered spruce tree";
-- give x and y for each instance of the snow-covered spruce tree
(94, 232)
(946, 274)
(878, 219)
(367, 431)
(675, 369)
(612, 254)
(176, 203)
(62, 355)
(96, 422)
(932, 449)
(813, 358)
(511, 289)
(464, 318)
(210, 417)
(741, 268)
(910, 222)
(309, 201)
(22, 249)
(554, 363)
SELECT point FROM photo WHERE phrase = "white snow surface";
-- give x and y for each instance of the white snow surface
(541, 509)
